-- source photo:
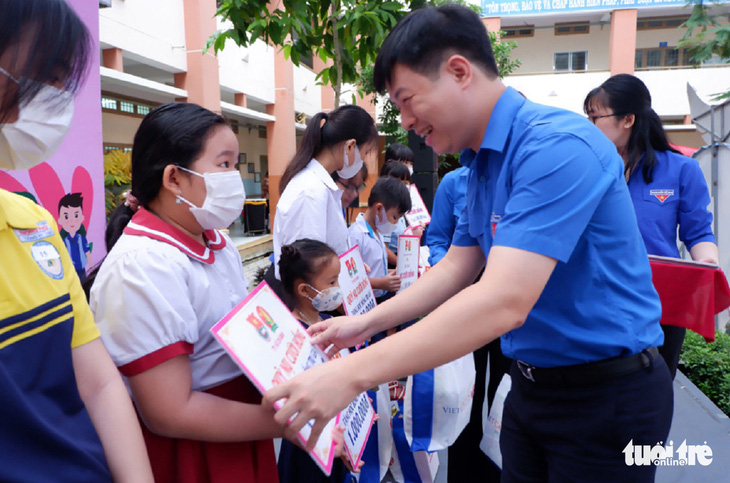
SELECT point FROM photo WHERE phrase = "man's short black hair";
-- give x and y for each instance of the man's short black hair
(427, 36)
(71, 200)
(391, 193)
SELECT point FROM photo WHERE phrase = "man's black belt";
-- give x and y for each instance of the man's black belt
(590, 372)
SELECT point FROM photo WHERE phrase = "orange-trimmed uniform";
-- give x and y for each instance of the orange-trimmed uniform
(45, 431)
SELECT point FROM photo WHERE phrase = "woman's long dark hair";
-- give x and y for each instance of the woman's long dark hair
(59, 48)
(345, 122)
(626, 94)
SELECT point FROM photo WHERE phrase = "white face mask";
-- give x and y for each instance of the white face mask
(384, 226)
(327, 299)
(410, 169)
(350, 169)
(42, 124)
(224, 198)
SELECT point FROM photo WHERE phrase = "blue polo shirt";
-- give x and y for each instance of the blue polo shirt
(547, 181)
(448, 203)
(676, 197)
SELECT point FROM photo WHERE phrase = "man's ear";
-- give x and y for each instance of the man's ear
(459, 68)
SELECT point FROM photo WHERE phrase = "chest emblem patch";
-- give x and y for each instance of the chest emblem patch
(661, 195)
(48, 259)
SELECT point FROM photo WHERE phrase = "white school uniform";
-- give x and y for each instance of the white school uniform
(310, 207)
(159, 292)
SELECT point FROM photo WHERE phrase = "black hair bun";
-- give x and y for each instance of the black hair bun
(289, 254)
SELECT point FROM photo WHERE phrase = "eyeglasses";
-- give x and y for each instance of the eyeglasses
(350, 188)
(593, 119)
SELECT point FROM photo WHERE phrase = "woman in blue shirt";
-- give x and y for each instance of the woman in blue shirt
(668, 190)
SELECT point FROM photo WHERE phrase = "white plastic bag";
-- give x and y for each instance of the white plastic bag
(409, 466)
(377, 454)
(438, 404)
(492, 422)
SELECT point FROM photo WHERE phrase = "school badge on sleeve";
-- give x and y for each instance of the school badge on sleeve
(48, 259)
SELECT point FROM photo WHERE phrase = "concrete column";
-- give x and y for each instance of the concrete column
(239, 99)
(622, 42)
(201, 80)
(112, 59)
(493, 24)
(280, 134)
(328, 93)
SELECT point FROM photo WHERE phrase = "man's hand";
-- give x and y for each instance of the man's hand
(341, 332)
(318, 394)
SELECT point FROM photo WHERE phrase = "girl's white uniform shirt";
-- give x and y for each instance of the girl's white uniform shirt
(310, 207)
(159, 292)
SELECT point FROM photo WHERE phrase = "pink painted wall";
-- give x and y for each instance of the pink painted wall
(78, 164)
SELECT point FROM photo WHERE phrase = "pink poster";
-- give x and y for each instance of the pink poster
(78, 166)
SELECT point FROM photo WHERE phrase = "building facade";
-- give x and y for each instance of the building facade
(568, 47)
(153, 53)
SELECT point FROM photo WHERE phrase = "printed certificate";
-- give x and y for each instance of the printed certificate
(408, 258)
(418, 214)
(271, 347)
(358, 294)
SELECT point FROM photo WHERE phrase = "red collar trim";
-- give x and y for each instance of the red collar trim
(144, 223)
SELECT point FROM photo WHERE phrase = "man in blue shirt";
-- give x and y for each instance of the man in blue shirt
(448, 203)
(567, 284)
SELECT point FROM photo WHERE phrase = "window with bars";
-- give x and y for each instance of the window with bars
(522, 31)
(660, 23)
(662, 57)
(125, 148)
(567, 61)
(126, 106)
(572, 28)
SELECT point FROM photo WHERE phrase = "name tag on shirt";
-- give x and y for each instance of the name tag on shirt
(41, 231)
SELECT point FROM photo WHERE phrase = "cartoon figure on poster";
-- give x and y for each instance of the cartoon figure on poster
(71, 222)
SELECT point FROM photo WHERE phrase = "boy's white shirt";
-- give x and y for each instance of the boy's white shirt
(372, 249)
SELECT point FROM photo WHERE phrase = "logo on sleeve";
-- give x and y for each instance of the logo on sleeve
(661, 195)
(48, 259)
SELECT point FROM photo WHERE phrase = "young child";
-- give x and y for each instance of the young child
(399, 171)
(389, 200)
(401, 154)
(71, 219)
(168, 278)
(309, 272)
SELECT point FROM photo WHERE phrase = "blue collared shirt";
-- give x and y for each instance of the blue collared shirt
(447, 207)
(676, 197)
(547, 181)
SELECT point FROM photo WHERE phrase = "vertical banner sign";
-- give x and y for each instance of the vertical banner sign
(271, 347)
(408, 248)
(358, 294)
(418, 214)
